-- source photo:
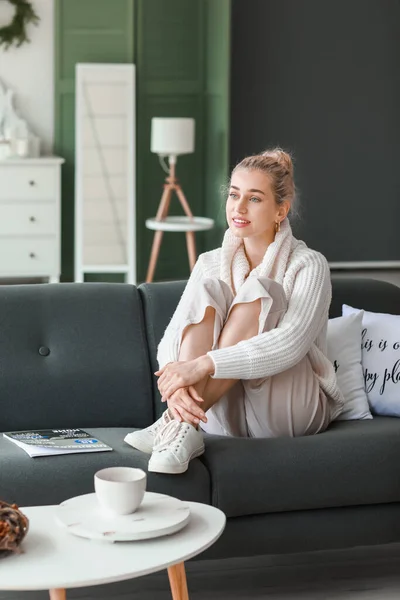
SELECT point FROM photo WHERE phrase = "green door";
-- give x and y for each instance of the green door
(181, 52)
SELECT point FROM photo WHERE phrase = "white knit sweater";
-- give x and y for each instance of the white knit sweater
(305, 277)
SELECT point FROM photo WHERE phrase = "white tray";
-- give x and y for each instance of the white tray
(158, 515)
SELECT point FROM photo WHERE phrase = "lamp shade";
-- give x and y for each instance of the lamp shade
(172, 136)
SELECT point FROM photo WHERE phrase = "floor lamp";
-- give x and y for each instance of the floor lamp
(171, 137)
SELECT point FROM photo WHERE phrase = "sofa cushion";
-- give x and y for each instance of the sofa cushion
(352, 463)
(380, 359)
(52, 479)
(73, 355)
(344, 351)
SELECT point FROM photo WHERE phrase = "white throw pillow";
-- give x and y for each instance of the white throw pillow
(381, 360)
(344, 351)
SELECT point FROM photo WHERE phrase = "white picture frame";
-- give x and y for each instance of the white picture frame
(105, 203)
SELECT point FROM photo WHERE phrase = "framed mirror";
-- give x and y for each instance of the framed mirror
(105, 207)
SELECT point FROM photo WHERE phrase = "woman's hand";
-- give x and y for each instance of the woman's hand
(176, 375)
(184, 406)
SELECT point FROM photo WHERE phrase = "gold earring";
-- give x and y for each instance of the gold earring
(277, 226)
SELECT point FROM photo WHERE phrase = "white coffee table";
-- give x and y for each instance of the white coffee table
(54, 559)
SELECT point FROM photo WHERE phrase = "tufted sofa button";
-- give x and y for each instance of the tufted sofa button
(44, 351)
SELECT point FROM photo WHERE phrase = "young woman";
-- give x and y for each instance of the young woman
(245, 351)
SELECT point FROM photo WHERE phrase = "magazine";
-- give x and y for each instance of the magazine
(49, 442)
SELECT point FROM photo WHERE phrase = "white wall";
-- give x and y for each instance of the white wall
(29, 71)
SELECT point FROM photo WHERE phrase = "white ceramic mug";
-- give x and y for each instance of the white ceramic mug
(120, 490)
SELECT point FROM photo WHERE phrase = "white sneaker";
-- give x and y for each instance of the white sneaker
(176, 444)
(143, 439)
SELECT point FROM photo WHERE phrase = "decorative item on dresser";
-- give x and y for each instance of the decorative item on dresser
(17, 140)
(30, 244)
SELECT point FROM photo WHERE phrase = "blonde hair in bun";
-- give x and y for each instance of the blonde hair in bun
(281, 157)
(279, 166)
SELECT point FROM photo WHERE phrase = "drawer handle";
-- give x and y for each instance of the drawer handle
(32, 219)
(31, 182)
(32, 255)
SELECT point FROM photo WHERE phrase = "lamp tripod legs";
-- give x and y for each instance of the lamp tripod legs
(191, 248)
(155, 250)
(58, 594)
(183, 201)
(164, 202)
(190, 236)
(157, 239)
(170, 186)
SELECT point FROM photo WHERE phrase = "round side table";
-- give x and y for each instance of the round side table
(54, 559)
(184, 224)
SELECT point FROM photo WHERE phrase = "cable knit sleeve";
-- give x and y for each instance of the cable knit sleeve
(282, 348)
(168, 348)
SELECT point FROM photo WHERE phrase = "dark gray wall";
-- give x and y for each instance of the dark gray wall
(322, 79)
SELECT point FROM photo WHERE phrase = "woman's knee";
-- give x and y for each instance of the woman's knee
(203, 317)
(207, 311)
(211, 298)
(241, 324)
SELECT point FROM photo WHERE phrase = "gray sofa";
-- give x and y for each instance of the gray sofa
(82, 355)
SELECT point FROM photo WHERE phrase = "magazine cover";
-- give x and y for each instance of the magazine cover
(47, 442)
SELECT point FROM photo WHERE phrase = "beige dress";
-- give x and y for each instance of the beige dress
(290, 403)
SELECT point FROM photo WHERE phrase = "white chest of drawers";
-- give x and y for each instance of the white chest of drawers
(30, 206)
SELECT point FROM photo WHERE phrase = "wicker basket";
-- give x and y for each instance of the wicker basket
(14, 526)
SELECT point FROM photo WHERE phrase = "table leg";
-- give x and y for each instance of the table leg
(58, 594)
(191, 248)
(177, 582)
(155, 250)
